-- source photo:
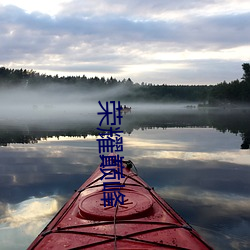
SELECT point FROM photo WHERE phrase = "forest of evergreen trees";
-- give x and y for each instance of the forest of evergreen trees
(236, 91)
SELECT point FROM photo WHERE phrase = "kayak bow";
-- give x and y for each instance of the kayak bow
(143, 221)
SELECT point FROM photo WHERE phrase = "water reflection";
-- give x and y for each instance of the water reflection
(84, 124)
(29, 210)
(20, 222)
(193, 161)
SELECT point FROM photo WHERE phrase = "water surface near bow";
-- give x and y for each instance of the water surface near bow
(192, 158)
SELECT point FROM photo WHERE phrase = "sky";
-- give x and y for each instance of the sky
(151, 41)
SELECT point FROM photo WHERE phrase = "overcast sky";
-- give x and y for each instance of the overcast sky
(154, 41)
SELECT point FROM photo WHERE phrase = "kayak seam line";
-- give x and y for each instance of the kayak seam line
(120, 222)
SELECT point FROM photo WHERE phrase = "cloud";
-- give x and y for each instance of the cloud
(97, 39)
(29, 210)
(44, 31)
(229, 204)
(26, 220)
(141, 9)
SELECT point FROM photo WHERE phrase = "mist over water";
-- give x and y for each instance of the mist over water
(61, 102)
(53, 102)
(59, 107)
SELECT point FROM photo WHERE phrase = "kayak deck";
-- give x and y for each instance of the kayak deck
(143, 221)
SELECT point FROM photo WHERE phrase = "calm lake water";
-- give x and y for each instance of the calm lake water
(197, 160)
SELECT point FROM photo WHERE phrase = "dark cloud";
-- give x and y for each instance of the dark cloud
(207, 30)
(132, 8)
(109, 39)
(225, 31)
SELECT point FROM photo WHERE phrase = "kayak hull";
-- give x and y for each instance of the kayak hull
(143, 221)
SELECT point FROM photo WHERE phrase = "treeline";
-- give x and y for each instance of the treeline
(237, 91)
(234, 92)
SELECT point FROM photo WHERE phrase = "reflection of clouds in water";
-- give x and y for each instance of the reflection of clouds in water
(183, 139)
(28, 212)
(228, 203)
(22, 222)
(62, 157)
(144, 140)
(2, 209)
(228, 239)
(226, 216)
(149, 144)
(70, 139)
(237, 157)
(36, 170)
(186, 144)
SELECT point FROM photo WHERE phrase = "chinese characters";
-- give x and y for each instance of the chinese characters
(111, 165)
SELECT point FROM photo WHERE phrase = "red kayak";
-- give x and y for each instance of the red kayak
(143, 221)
